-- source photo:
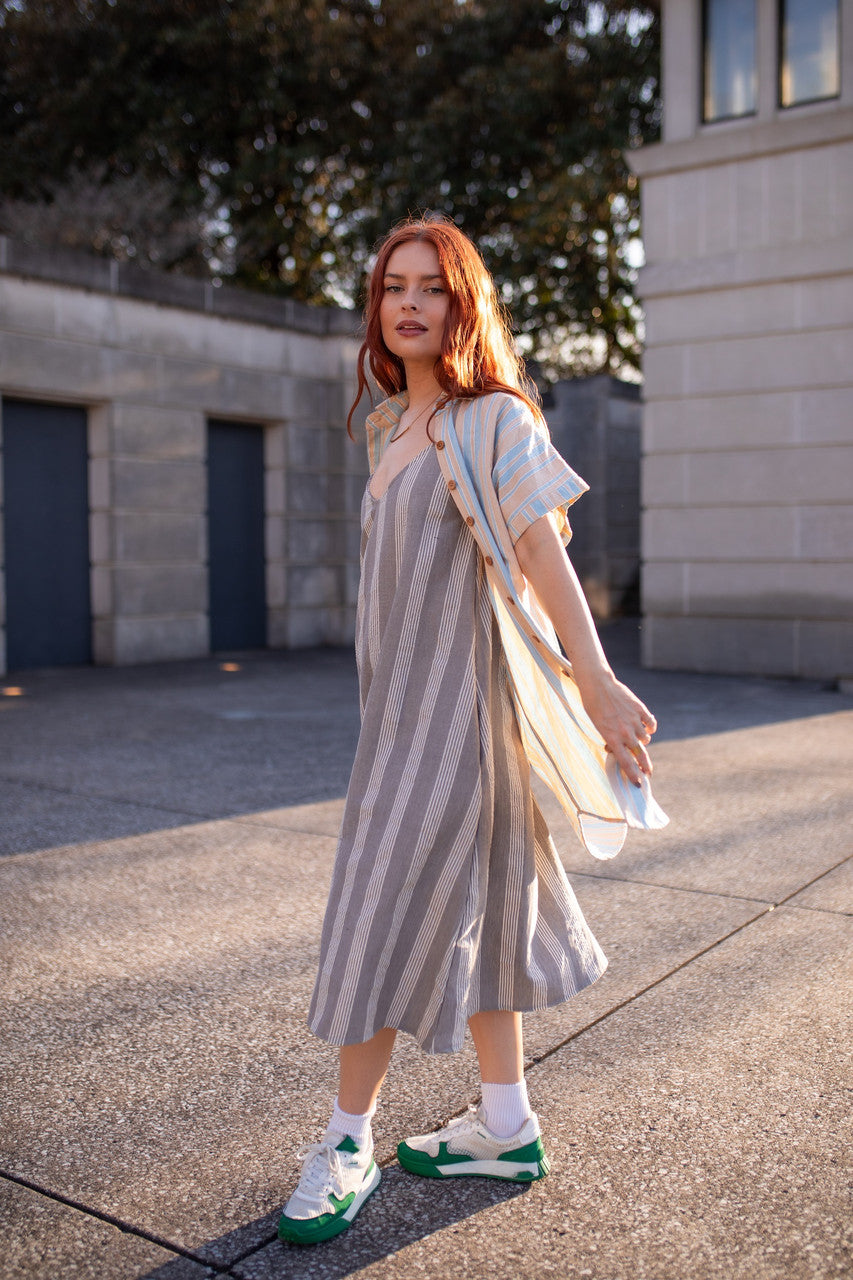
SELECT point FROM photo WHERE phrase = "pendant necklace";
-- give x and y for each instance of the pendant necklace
(397, 434)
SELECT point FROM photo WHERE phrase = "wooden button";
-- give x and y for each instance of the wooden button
(451, 484)
(439, 444)
(489, 560)
(469, 519)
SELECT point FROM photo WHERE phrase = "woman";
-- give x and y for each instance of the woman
(449, 906)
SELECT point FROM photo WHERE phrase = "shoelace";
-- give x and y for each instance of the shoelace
(460, 1126)
(471, 1116)
(315, 1175)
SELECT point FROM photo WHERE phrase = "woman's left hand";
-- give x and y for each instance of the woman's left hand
(624, 722)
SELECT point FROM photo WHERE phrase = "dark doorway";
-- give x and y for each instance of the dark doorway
(235, 517)
(46, 535)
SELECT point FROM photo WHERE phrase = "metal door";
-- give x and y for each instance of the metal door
(46, 534)
(235, 512)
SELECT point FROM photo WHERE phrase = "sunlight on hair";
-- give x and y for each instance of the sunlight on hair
(478, 354)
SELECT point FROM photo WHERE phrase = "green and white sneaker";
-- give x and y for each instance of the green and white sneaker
(337, 1178)
(467, 1148)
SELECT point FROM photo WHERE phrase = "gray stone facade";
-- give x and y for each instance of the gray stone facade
(748, 427)
(595, 424)
(152, 358)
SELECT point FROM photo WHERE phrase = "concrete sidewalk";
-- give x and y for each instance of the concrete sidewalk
(169, 833)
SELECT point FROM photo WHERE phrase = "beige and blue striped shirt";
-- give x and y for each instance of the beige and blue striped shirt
(504, 473)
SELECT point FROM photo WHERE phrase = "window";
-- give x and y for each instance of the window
(808, 63)
(729, 66)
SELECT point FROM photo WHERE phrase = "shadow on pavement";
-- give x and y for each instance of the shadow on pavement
(92, 754)
(403, 1211)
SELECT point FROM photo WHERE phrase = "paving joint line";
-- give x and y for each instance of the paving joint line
(158, 808)
(125, 1227)
(549, 1053)
(543, 1057)
(676, 888)
(773, 906)
(829, 870)
(242, 819)
(623, 1004)
(770, 907)
(226, 1270)
(107, 799)
(823, 911)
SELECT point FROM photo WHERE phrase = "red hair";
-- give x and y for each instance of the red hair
(477, 354)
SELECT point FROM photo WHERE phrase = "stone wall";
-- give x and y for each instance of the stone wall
(595, 424)
(152, 358)
(748, 429)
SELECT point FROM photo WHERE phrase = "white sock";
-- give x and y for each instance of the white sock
(505, 1107)
(355, 1127)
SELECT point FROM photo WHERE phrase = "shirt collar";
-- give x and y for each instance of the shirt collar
(389, 412)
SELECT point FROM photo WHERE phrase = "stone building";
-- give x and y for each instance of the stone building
(595, 423)
(177, 473)
(178, 478)
(748, 292)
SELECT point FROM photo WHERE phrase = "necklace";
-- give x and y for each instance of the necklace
(398, 434)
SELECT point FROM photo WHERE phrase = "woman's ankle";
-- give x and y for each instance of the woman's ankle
(505, 1107)
(350, 1125)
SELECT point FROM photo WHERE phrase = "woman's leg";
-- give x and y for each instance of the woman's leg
(498, 1041)
(363, 1067)
(502, 1139)
(505, 1106)
(338, 1176)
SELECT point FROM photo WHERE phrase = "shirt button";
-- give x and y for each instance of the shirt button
(451, 484)
(469, 519)
(489, 560)
(439, 444)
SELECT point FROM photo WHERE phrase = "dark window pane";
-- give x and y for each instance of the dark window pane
(809, 66)
(729, 59)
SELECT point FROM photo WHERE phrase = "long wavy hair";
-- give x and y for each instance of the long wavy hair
(477, 354)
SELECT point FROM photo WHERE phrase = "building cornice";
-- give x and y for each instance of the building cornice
(76, 269)
(820, 259)
(801, 128)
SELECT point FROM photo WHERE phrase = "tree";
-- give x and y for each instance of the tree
(296, 131)
(127, 218)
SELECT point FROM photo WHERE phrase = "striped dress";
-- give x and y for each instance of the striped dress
(447, 894)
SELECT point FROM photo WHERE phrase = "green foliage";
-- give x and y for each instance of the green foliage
(295, 132)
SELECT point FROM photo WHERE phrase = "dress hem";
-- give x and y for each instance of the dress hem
(435, 1050)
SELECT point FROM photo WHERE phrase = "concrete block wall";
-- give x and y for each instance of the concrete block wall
(748, 427)
(148, 535)
(595, 425)
(150, 374)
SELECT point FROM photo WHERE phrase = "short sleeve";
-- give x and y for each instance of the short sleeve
(530, 477)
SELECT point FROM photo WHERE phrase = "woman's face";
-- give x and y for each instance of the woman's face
(414, 303)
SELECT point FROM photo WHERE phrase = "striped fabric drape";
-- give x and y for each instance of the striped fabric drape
(503, 473)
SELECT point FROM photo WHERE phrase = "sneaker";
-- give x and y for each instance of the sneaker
(467, 1147)
(336, 1180)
